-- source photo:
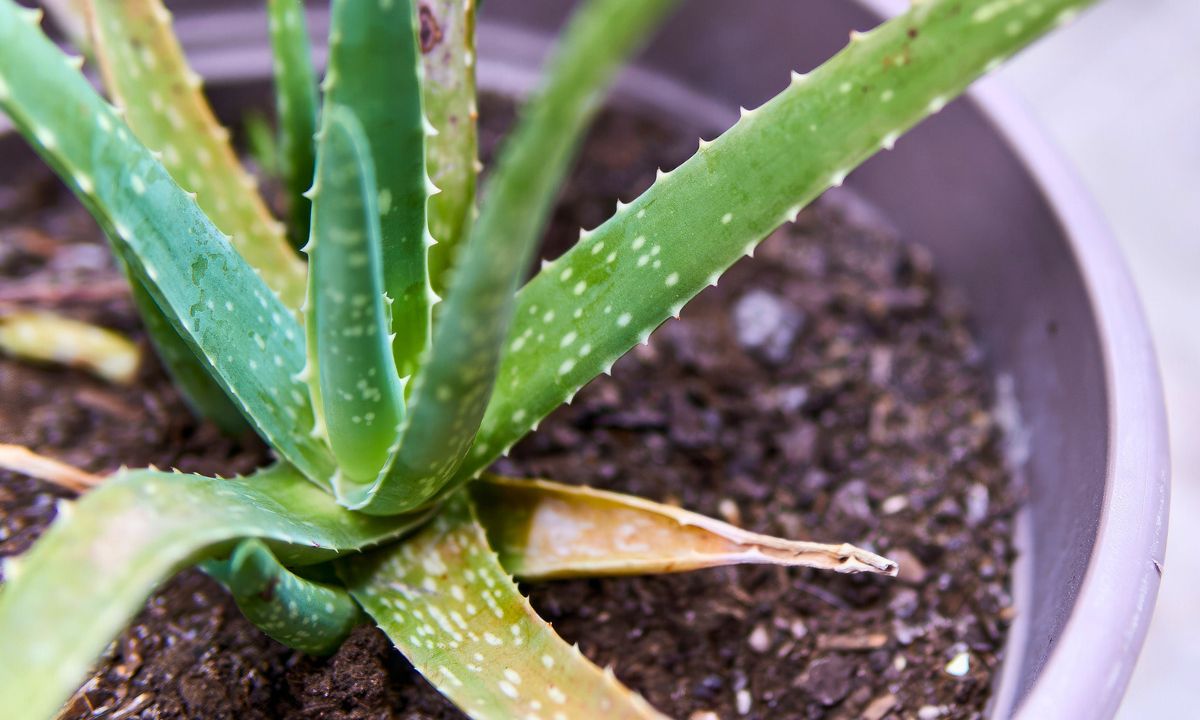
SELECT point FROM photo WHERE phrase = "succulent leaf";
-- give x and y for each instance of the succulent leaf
(447, 42)
(620, 281)
(296, 107)
(205, 397)
(375, 71)
(262, 143)
(359, 395)
(47, 337)
(200, 390)
(148, 77)
(203, 394)
(448, 605)
(452, 388)
(94, 567)
(213, 299)
(310, 616)
(545, 530)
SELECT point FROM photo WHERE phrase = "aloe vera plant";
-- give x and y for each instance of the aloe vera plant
(395, 358)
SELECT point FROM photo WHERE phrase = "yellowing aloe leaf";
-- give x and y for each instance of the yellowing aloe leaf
(148, 76)
(448, 605)
(548, 530)
(447, 42)
(47, 337)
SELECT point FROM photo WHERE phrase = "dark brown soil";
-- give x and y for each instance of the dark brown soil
(827, 390)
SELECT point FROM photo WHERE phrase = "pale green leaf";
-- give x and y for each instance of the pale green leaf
(448, 605)
(92, 570)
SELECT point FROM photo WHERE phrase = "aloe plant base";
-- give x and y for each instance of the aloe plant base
(1055, 308)
(791, 375)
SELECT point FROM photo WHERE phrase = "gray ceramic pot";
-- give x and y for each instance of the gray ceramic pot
(1008, 224)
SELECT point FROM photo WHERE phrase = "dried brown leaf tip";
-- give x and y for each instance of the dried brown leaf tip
(544, 529)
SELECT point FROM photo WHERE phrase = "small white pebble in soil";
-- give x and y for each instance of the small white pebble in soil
(728, 510)
(893, 504)
(880, 365)
(851, 500)
(977, 503)
(791, 398)
(929, 712)
(760, 639)
(912, 570)
(744, 700)
(798, 629)
(960, 665)
(766, 323)
(704, 715)
(879, 708)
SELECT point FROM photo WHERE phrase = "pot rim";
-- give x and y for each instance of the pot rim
(1087, 668)
(1091, 662)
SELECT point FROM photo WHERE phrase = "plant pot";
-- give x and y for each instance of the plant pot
(1008, 225)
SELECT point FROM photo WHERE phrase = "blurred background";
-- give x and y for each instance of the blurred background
(1119, 92)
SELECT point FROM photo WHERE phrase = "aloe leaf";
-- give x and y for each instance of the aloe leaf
(148, 76)
(359, 393)
(261, 143)
(544, 530)
(451, 391)
(310, 616)
(620, 281)
(375, 71)
(296, 105)
(94, 567)
(213, 299)
(447, 42)
(452, 610)
(47, 337)
(203, 394)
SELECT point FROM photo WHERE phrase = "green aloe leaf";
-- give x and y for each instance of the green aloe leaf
(448, 605)
(545, 530)
(375, 71)
(310, 616)
(452, 390)
(447, 42)
(357, 391)
(262, 143)
(148, 76)
(202, 393)
(79, 585)
(620, 281)
(296, 107)
(214, 300)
